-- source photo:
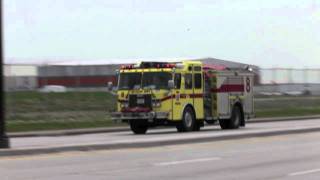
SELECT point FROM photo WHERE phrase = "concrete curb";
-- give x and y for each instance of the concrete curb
(294, 118)
(71, 132)
(128, 145)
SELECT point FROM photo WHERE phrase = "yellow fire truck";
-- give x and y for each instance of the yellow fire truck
(183, 94)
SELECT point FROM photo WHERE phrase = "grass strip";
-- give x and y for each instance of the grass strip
(32, 111)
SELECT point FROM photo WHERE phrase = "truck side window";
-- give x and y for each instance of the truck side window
(188, 81)
(177, 81)
(197, 81)
(197, 68)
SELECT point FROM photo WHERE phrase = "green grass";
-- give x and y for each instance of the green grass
(25, 102)
(30, 111)
(287, 112)
(287, 106)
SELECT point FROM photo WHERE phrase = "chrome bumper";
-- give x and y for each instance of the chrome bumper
(139, 115)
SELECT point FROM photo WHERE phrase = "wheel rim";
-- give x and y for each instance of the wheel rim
(188, 119)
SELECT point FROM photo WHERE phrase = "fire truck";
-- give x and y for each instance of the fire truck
(186, 94)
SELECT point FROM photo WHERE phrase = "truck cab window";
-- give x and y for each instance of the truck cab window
(197, 81)
(197, 68)
(177, 81)
(188, 81)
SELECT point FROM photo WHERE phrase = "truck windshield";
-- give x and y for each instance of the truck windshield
(156, 80)
(130, 81)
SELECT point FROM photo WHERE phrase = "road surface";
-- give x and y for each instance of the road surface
(157, 135)
(278, 157)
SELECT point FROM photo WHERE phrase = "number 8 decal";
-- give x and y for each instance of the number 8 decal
(248, 84)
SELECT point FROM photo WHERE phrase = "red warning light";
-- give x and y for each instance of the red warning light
(130, 66)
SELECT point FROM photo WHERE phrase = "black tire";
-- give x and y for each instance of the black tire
(224, 123)
(188, 120)
(234, 121)
(197, 126)
(211, 122)
(139, 126)
(180, 127)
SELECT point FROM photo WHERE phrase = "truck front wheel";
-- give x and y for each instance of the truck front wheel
(188, 121)
(138, 126)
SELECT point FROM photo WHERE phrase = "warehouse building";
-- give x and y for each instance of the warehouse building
(20, 77)
(83, 74)
(76, 76)
(99, 75)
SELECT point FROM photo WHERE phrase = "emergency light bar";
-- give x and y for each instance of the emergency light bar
(146, 65)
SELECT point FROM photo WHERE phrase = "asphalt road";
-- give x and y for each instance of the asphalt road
(277, 157)
(156, 135)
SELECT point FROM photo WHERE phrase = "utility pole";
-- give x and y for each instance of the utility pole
(4, 140)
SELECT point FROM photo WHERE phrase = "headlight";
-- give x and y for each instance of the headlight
(124, 104)
(156, 103)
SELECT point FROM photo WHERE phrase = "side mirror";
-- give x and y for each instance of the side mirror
(171, 84)
(110, 86)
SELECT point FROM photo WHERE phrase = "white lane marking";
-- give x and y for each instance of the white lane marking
(304, 172)
(187, 161)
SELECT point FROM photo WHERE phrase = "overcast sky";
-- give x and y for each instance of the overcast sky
(268, 33)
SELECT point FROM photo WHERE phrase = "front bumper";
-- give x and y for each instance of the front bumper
(139, 115)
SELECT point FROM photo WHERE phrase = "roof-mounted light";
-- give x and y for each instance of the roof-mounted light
(168, 65)
(146, 65)
(128, 66)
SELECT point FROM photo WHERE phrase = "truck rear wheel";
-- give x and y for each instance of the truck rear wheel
(224, 123)
(235, 118)
(139, 126)
(234, 121)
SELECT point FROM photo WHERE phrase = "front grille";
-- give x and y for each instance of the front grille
(140, 101)
(132, 100)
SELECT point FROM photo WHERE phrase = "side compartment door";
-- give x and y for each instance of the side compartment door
(223, 96)
(214, 96)
(177, 100)
(187, 95)
(198, 91)
(248, 100)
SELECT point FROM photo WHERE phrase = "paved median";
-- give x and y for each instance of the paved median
(126, 128)
(156, 137)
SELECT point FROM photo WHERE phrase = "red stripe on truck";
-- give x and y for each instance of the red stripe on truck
(196, 95)
(229, 88)
(167, 97)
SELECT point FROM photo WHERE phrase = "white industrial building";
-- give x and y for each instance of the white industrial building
(20, 77)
